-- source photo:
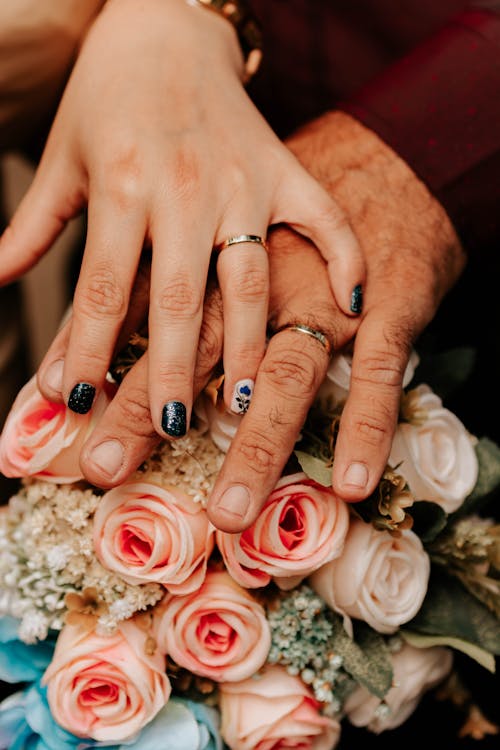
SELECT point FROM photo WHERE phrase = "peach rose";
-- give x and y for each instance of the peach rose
(147, 533)
(41, 439)
(274, 711)
(106, 686)
(338, 377)
(301, 527)
(416, 670)
(219, 632)
(436, 454)
(380, 578)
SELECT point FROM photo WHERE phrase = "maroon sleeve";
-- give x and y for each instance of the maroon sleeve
(439, 108)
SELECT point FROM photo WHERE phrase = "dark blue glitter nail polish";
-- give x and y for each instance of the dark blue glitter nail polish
(173, 419)
(357, 299)
(81, 398)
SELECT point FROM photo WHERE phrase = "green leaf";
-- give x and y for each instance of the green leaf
(483, 657)
(488, 481)
(366, 658)
(450, 610)
(446, 371)
(429, 519)
(315, 468)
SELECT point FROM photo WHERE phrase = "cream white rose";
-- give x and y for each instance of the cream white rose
(416, 670)
(380, 578)
(215, 419)
(436, 456)
(338, 377)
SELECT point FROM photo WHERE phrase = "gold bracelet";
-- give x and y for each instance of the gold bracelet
(238, 13)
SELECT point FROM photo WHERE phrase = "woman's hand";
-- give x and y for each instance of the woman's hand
(157, 136)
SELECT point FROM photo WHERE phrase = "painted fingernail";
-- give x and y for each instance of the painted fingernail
(108, 456)
(173, 419)
(54, 376)
(81, 398)
(357, 299)
(356, 475)
(235, 500)
(242, 396)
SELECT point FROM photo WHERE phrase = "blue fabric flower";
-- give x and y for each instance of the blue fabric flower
(27, 724)
(180, 725)
(21, 662)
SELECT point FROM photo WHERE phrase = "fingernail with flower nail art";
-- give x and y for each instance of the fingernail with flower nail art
(242, 396)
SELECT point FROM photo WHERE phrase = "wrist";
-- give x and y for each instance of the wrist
(186, 31)
(238, 13)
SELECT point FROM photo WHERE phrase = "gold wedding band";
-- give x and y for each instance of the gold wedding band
(237, 239)
(301, 328)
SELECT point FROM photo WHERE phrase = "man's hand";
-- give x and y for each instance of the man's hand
(413, 256)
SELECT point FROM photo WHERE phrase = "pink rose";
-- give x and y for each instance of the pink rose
(380, 577)
(274, 711)
(44, 440)
(106, 686)
(219, 632)
(301, 527)
(147, 533)
(416, 670)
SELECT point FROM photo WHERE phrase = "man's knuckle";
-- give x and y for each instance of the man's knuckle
(258, 452)
(101, 295)
(379, 368)
(292, 373)
(371, 429)
(135, 413)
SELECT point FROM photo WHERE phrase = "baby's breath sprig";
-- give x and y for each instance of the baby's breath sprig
(47, 553)
(301, 634)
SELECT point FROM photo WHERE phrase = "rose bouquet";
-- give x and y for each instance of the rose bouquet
(129, 621)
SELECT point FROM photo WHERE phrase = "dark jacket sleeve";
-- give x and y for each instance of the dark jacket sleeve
(439, 109)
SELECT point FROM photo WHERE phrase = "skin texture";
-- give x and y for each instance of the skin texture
(156, 136)
(413, 257)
